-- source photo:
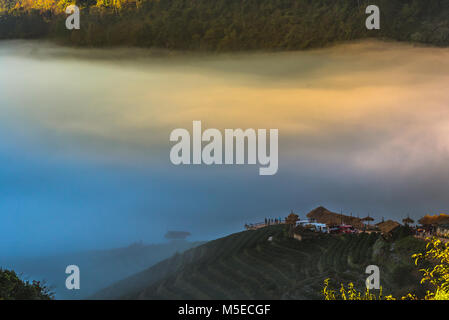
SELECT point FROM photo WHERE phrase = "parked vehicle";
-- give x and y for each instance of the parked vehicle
(346, 228)
(342, 229)
(319, 227)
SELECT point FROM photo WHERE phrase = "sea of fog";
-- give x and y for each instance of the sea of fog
(84, 140)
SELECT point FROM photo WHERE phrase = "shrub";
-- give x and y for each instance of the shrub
(436, 255)
(13, 288)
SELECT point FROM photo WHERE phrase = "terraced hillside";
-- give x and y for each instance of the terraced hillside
(246, 265)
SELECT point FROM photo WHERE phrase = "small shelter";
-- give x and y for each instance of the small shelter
(408, 221)
(368, 218)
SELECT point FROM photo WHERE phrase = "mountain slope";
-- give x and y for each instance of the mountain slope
(246, 265)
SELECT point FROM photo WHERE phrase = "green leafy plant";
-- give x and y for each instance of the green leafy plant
(13, 288)
(436, 255)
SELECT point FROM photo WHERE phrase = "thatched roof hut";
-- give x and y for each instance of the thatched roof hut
(292, 218)
(322, 215)
(434, 220)
(408, 221)
(388, 226)
(368, 218)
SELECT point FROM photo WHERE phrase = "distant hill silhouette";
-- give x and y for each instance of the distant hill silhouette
(99, 268)
(177, 235)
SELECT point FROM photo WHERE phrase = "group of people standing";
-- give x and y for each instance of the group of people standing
(269, 221)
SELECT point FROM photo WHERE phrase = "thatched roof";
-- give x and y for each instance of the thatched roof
(322, 215)
(436, 219)
(292, 218)
(387, 226)
(408, 220)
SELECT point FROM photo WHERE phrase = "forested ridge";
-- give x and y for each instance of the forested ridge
(224, 25)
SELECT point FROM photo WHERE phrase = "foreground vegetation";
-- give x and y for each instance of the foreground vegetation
(13, 288)
(224, 25)
(435, 272)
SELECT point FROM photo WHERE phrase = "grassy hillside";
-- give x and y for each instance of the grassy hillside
(247, 266)
(99, 268)
(225, 25)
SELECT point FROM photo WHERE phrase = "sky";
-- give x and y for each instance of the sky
(84, 140)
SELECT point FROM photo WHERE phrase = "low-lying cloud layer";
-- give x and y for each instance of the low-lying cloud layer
(84, 151)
